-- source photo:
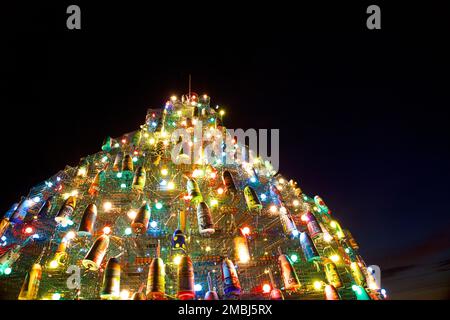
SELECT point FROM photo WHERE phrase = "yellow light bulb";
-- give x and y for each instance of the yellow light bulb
(177, 259)
(124, 294)
(335, 258)
(107, 206)
(317, 285)
(132, 214)
(53, 264)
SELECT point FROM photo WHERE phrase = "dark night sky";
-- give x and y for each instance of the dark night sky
(363, 115)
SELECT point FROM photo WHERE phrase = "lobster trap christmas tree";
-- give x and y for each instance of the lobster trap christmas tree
(154, 215)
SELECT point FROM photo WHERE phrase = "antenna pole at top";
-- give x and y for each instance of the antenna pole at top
(189, 86)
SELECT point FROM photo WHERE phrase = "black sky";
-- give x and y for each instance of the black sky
(363, 115)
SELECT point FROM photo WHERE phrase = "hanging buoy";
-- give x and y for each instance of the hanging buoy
(360, 292)
(178, 240)
(136, 140)
(140, 222)
(94, 189)
(158, 153)
(357, 274)
(139, 179)
(204, 218)
(312, 225)
(31, 283)
(156, 282)
(111, 280)
(186, 279)
(193, 190)
(321, 204)
(88, 220)
(66, 210)
(275, 293)
(288, 273)
(228, 182)
(331, 293)
(231, 284)
(46, 208)
(182, 221)
(252, 199)
(118, 162)
(107, 143)
(276, 195)
(127, 163)
(4, 225)
(287, 221)
(308, 247)
(211, 294)
(61, 254)
(332, 273)
(97, 252)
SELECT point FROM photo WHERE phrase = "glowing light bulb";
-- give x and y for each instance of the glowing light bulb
(56, 296)
(164, 172)
(173, 98)
(28, 230)
(197, 173)
(335, 258)
(245, 231)
(53, 264)
(124, 294)
(107, 206)
(266, 288)
(214, 202)
(177, 259)
(273, 209)
(7, 271)
(296, 203)
(317, 285)
(70, 235)
(263, 196)
(220, 191)
(128, 231)
(153, 224)
(158, 205)
(82, 171)
(294, 258)
(132, 214)
(208, 249)
(222, 112)
(327, 237)
(107, 230)
(135, 159)
(198, 287)
(119, 175)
